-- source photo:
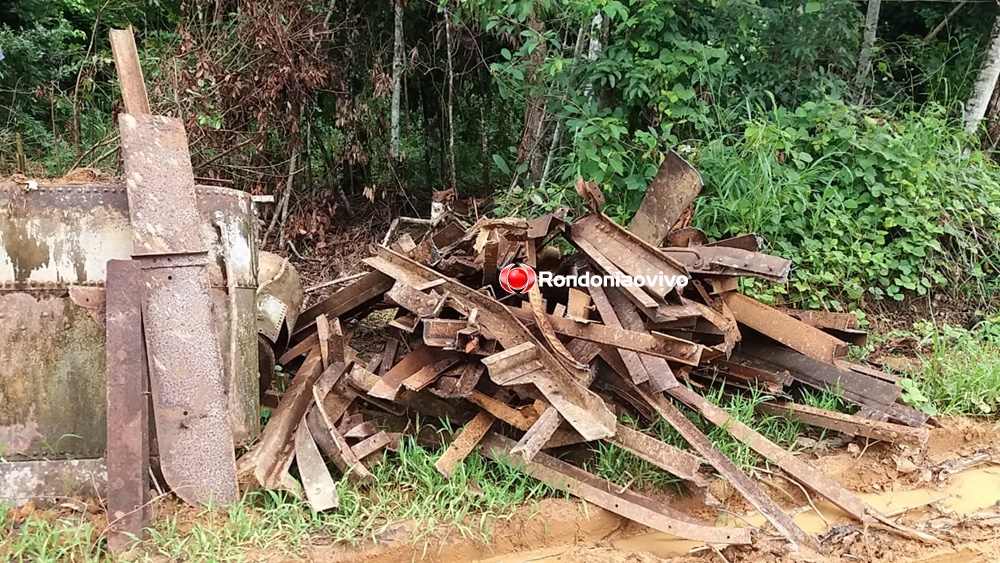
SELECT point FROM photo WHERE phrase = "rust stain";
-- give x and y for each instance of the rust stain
(27, 253)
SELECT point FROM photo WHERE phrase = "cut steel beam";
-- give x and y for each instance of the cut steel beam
(791, 332)
(739, 480)
(582, 408)
(848, 424)
(347, 301)
(724, 261)
(853, 386)
(565, 477)
(128, 412)
(629, 253)
(654, 344)
(808, 476)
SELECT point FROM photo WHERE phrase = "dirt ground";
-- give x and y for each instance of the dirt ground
(914, 487)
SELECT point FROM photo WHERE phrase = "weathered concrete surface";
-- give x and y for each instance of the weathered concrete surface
(47, 483)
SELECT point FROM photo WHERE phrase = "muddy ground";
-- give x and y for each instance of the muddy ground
(962, 509)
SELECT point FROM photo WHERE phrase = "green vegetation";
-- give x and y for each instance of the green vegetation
(406, 488)
(865, 204)
(961, 371)
(883, 201)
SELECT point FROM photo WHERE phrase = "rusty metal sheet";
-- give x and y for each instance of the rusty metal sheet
(320, 489)
(672, 190)
(262, 465)
(187, 374)
(628, 253)
(335, 446)
(159, 179)
(565, 477)
(279, 298)
(781, 521)
(791, 332)
(128, 414)
(189, 390)
(582, 408)
(63, 234)
(53, 385)
(848, 424)
(802, 472)
(751, 242)
(724, 261)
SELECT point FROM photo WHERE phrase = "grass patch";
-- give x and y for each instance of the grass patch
(406, 488)
(961, 373)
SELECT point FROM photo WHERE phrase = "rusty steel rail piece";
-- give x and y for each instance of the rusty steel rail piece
(580, 406)
(128, 412)
(672, 191)
(789, 331)
(726, 261)
(848, 424)
(855, 387)
(628, 253)
(809, 476)
(781, 521)
(650, 343)
(566, 477)
(187, 376)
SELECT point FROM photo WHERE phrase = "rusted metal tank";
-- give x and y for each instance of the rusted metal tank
(55, 241)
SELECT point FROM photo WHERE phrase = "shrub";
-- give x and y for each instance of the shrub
(866, 205)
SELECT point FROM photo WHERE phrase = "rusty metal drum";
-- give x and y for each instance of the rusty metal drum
(55, 241)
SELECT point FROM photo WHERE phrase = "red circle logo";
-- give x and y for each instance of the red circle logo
(517, 278)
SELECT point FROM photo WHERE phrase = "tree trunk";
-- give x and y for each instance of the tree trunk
(397, 79)
(486, 144)
(534, 109)
(865, 60)
(989, 70)
(561, 123)
(451, 103)
(930, 36)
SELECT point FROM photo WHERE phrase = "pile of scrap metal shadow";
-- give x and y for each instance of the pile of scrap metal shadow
(531, 337)
(486, 328)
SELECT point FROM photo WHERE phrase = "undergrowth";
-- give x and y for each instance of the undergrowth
(867, 205)
(960, 372)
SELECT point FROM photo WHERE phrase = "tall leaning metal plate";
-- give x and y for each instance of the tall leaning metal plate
(187, 380)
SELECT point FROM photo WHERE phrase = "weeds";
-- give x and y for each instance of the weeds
(961, 373)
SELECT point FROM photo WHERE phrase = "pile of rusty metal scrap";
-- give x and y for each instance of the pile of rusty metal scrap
(548, 367)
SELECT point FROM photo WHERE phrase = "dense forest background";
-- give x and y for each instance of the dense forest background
(859, 172)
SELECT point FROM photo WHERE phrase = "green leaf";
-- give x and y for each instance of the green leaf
(498, 160)
(812, 7)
